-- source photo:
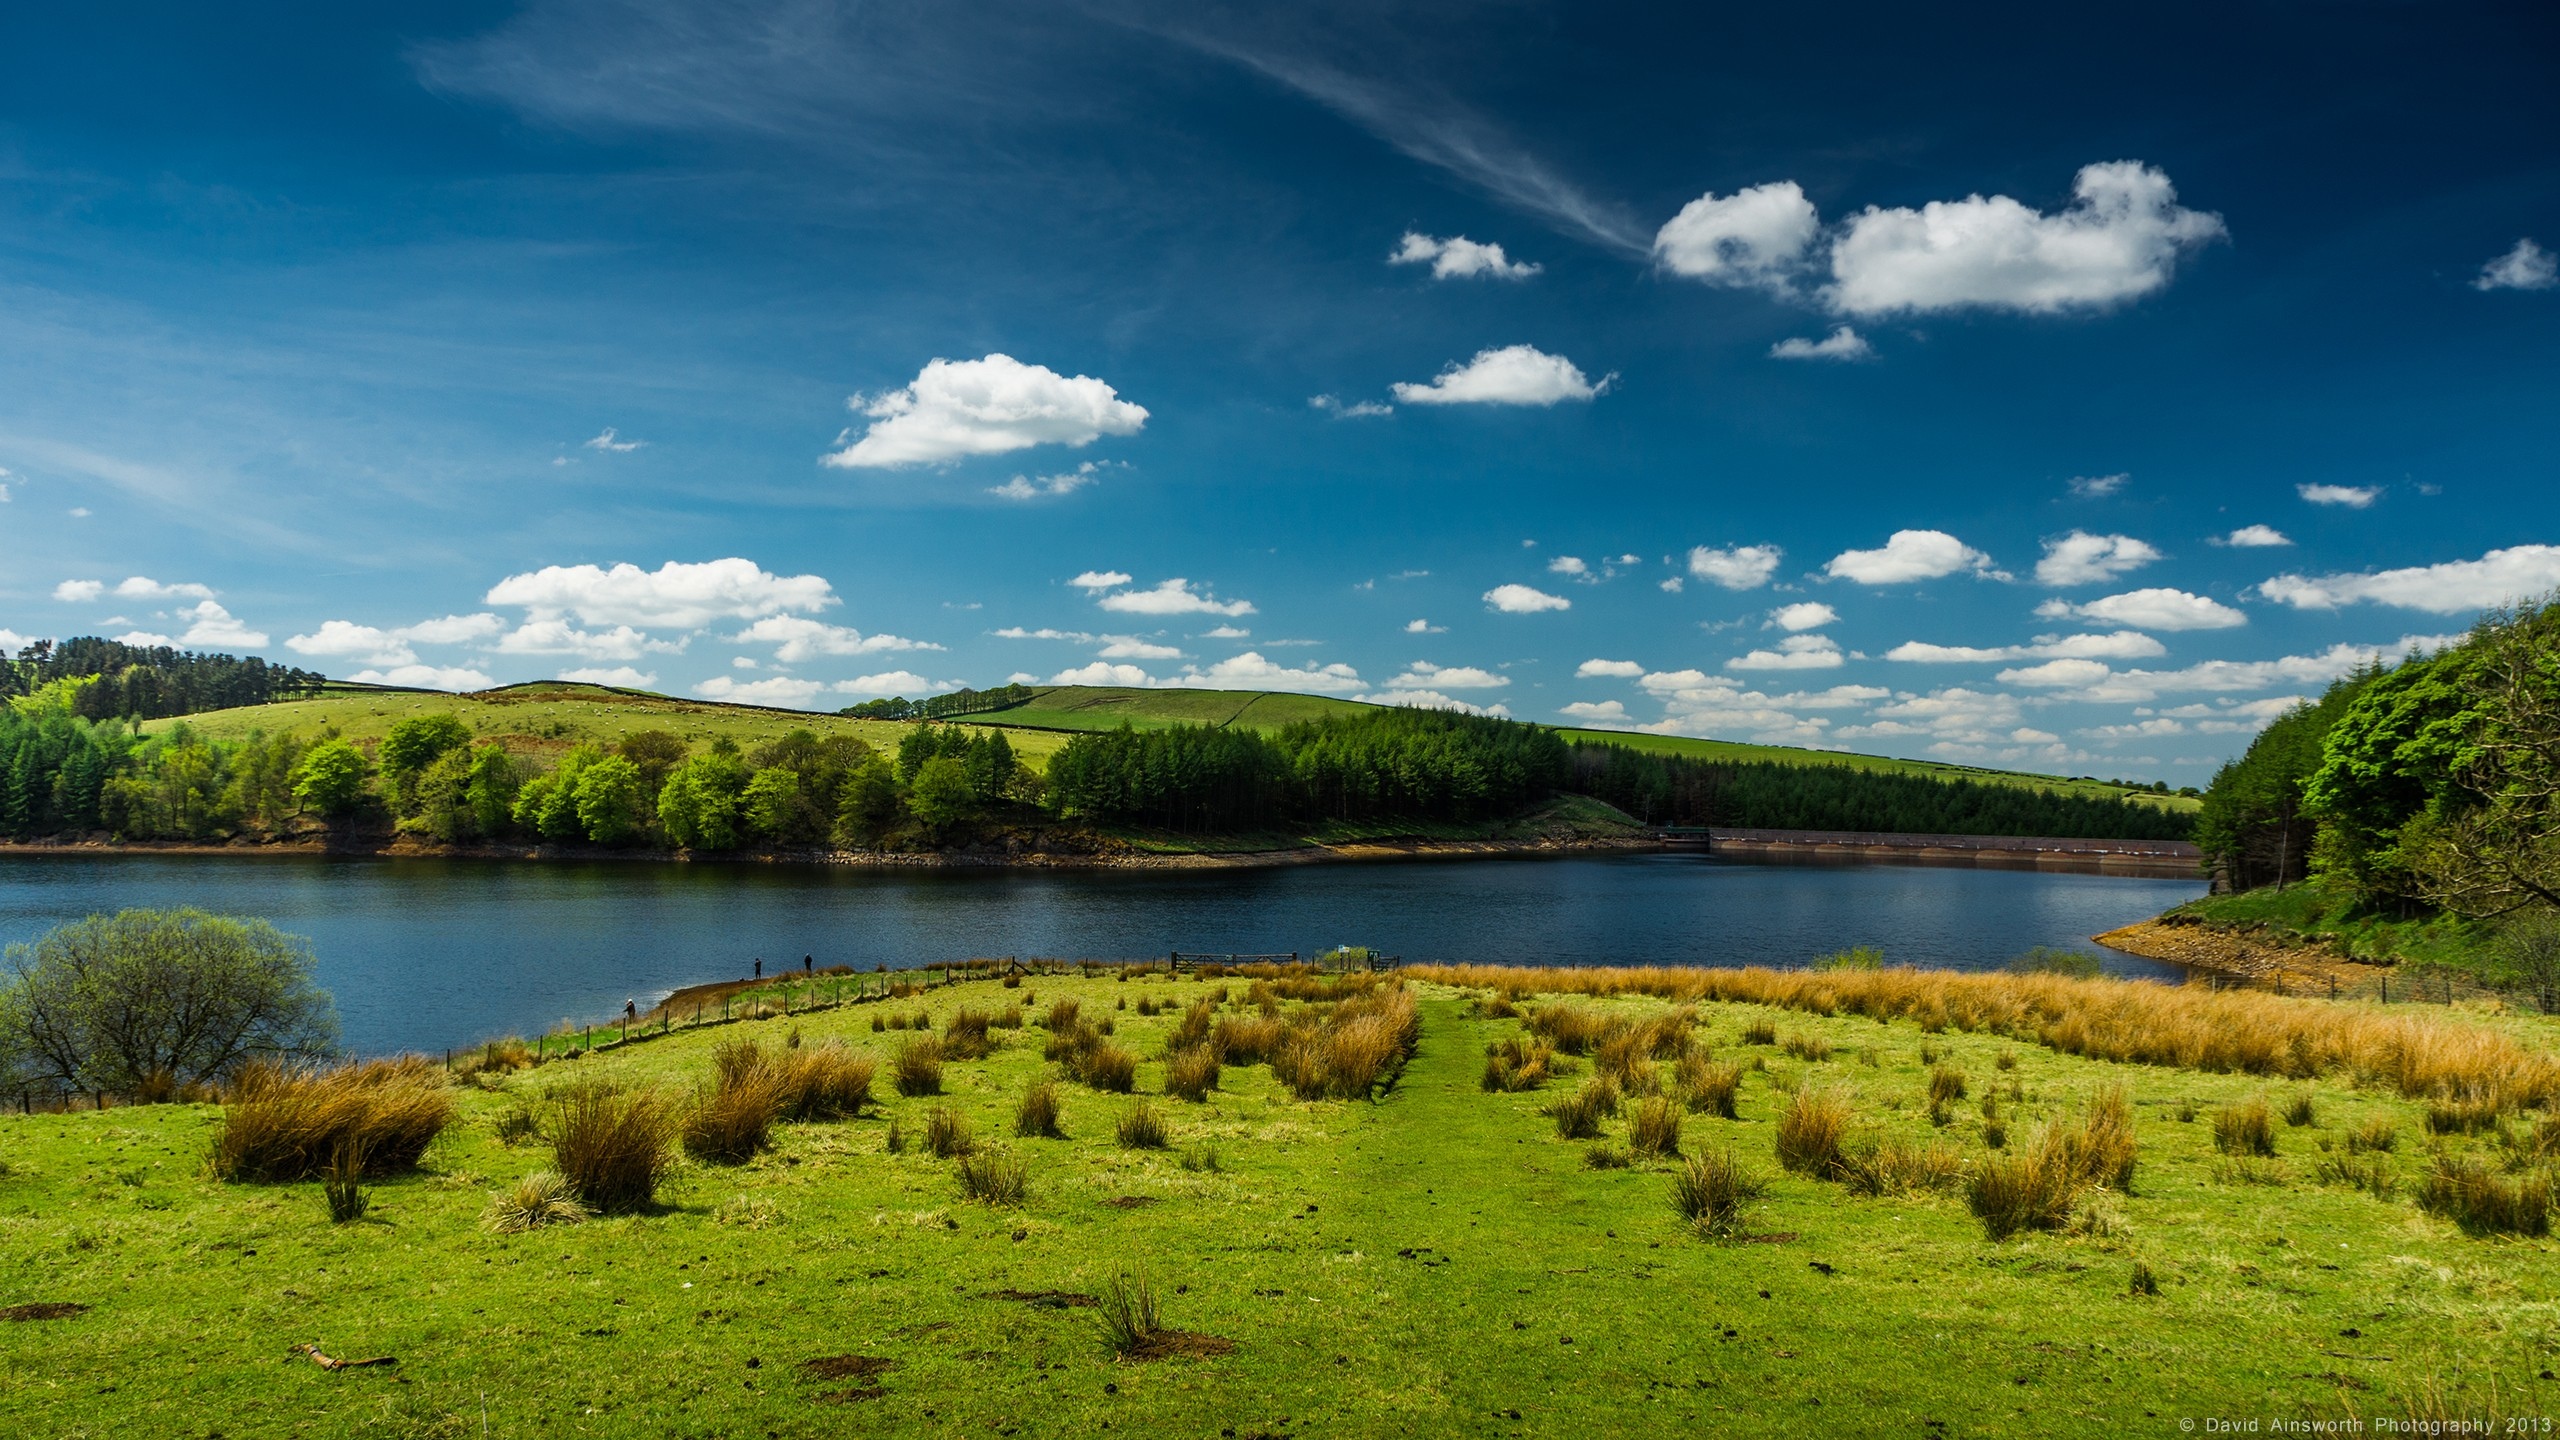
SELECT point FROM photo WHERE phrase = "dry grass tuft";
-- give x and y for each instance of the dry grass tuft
(1760, 1032)
(2300, 1111)
(1578, 1115)
(1708, 1087)
(283, 1124)
(735, 1121)
(2244, 1129)
(1192, 1073)
(541, 1198)
(1710, 1192)
(1901, 1167)
(1512, 1065)
(614, 1147)
(1808, 1048)
(1037, 1117)
(946, 1133)
(1142, 1128)
(2035, 1187)
(2466, 1191)
(2371, 1174)
(1654, 1130)
(1105, 1067)
(1810, 1132)
(2378, 1134)
(917, 1067)
(1946, 1085)
(994, 1177)
(968, 1035)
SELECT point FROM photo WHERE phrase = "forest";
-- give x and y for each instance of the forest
(2424, 788)
(149, 683)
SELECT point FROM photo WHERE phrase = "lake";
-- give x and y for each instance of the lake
(428, 953)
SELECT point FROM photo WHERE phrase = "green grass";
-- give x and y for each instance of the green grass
(2315, 912)
(1428, 1264)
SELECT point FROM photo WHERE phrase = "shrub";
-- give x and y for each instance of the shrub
(966, 1036)
(946, 1133)
(2464, 1190)
(1810, 1131)
(1809, 1048)
(1192, 1073)
(1037, 1116)
(1710, 1192)
(2244, 1129)
(733, 1122)
(281, 1124)
(539, 1199)
(1708, 1087)
(1900, 1167)
(2378, 1133)
(1946, 1085)
(917, 1067)
(1760, 1032)
(994, 1177)
(1107, 1067)
(1512, 1065)
(613, 1147)
(1655, 1128)
(1578, 1115)
(1141, 1128)
(2299, 1111)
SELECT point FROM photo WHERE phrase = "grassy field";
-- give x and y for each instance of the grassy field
(1435, 1262)
(2313, 912)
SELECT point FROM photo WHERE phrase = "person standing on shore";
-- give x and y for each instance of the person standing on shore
(759, 968)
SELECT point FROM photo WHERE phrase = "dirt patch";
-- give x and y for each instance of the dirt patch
(2252, 956)
(1132, 1202)
(847, 1367)
(1169, 1344)
(1045, 1299)
(44, 1310)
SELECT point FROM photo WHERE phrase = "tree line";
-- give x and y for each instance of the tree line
(2430, 785)
(120, 681)
(1761, 795)
(937, 707)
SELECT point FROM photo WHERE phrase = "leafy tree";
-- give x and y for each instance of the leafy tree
(991, 766)
(779, 809)
(547, 804)
(145, 1001)
(699, 806)
(413, 745)
(609, 801)
(942, 797)
(656, 752)
(491, 789)
(2492, 845)
(869, 806)
(330, 778)
(2388, 757)
(444, 798)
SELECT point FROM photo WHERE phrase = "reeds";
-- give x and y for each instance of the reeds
(2379, 1134)
(1901, 1167)
(2035, 1187)
(613, 1147)
(1131, 1319)
(1579, 1114)
(1654, 1129)
(966, 1035)
(2463, 1189)
(1760, 1032)
(541, 1198)
(1141, 1127)
(1710, 1192)
(1706, 1086)
(1512, 1065)
(946, 1133)
(1810, 1131)
(1105, 1067)
(287, 1124)
(342, 1185)
(1808, 1048)
(917, 1067)
(1946, 1085)
(2244, 1129)
(2300, 1111)
(1037, 1117)
(1064, 1014)
(1192, 1073)
(1361, 1046)
(734, 1121)
(994, 1177)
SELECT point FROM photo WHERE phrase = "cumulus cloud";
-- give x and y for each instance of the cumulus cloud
(1754, 238)
(2098, 487)
(2121, 645)
(1954, 715)
(559, 637)
(1696, 703)
(620, 676)
(1424, 627)
(12, 640)
(2120, 240)
(992, 406)
(2255, 537)
(1608, 669)
(676, 595)
(1232, 632)
(1512, 375)
(1016, 632)
(1842, 343)
(1568, 565)
(135, 587)
(797, 638)
(1104, 672)
(2497, 578)
(1035, 487)
(1250, 671)
(426, 677)
(1423, 675)
(208, 625)
(1130, 647)
(1354, 410)
(1596, 712)
(2081, 558)
(1459, 258)
(784, 690)
(612, 444)
(1803, 615)
(2135, 686)
(2058, 672)
(2526, 267)
(1433, 700)
(1170, 597)
(1907, 556)
(2159, 608)
(346, 640)
(1796, 652)
(1100, 579)
(2353, 497)
(893, 682)
(1743, 567)
(1523, 600)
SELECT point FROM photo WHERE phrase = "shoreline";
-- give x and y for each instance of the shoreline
(2241, 955)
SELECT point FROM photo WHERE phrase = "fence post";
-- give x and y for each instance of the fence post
(590, 1039)
(2386, 989)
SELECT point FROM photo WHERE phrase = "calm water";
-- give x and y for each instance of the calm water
(426, 953)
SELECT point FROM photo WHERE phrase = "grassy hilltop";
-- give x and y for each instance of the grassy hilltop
(1434, 1261)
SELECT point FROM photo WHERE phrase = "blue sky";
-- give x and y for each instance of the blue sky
(2022, 391)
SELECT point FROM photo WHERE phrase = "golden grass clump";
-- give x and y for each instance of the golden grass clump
(1579, 1114)
(1901, 1167)
(2369, 1173)
(2035, 1187)
(1810, 1132)
(1105, 1067)
(1248, 1040)
(2300, 1111)
(1760, 1032)
(541, 1198)
(946, 1132)
(1946, 1085)
(1142, 1127)
(1809, 1048)
(994, 1177)
(2463, 1111)
(1037, 1117)
(1192, 1073)
(917, 1067)
(288, 1124)
(734, 1121)
(2244, 1129)
(1199, 1024)
(614, 1147)
(968, 1035)
(1512, 1065)
(1706, 1086)
(1065, 1013)
(1710, 1192)
(1572, 1029)
(2464, 1190)
(1654, 1129)
(2379, 1134)
(827, 1082)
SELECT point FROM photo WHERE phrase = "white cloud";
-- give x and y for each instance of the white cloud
(1231, 632)
(2098, 487)
(1522, 600)
(1423, 675)
(743, 662)
(1567, 565)
(1433, 700)
(1249, 671)
(2081, 558)
(136, 587)
(559, 637)
(1696, 703)
(12, 640)
(797, 638)
(1753, 238)
(1597, 712)
(1744, 567)
(2120, 241)
(1909, 555)
(1803, 615)
(2121, 645)
(1034, 487)
(452, 629)
(621, 676)
(1171, 597)
(2255, 537)
(1100, 579)
(1459, 258)
(2526, 267)
(676, 595)
(993, 406)
(1672, 585)
(1842, 343)
(1610, 669)
(2159, 608)
(146, 639)
(1016, 632)
(2353, 497)
(1796, 652)
(208, 624)
(608, 442)
(1103, 672)
(781, 690)
(2497, 578)
(2135, 686)
(1512, 375)
(1130, 647)
(342, 639)
(426, 677)
(1957, 714)
(2058, 672)
(2138, 730)
(1355, 410)
(893, 682)
(79, 592)
(1424, 627)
